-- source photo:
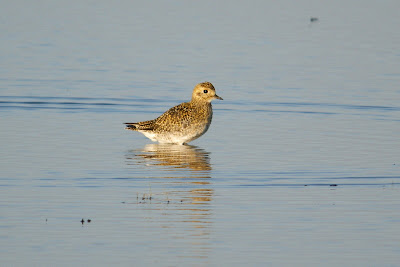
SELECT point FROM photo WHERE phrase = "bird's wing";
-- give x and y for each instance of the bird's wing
(176, 115)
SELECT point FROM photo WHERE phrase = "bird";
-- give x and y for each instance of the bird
(183, 123)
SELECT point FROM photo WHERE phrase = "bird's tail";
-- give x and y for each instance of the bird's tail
(140, 126)
(133, 126)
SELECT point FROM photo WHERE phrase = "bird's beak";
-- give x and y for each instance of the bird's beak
(218, 97)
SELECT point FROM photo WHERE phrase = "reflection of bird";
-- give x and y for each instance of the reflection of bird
(176, 156)
(182, 123)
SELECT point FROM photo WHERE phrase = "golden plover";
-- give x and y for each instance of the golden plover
(182, 123)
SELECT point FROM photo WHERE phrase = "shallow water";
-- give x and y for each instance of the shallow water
(299, 167)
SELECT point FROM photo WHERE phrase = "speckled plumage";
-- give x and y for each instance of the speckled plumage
(182, 123)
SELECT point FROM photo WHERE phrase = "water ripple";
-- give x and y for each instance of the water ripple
(156, 105)
(77, 103)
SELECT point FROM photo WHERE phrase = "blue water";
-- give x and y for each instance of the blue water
(299, 167)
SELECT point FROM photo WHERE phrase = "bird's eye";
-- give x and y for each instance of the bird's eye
(205, 91)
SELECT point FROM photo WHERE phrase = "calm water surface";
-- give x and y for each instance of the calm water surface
(299, 167)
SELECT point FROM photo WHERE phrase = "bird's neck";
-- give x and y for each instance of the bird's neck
(199, 102)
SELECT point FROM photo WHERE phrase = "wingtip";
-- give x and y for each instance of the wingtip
(130, 127)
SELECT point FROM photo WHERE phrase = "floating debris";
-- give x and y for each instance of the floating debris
(313, 19)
